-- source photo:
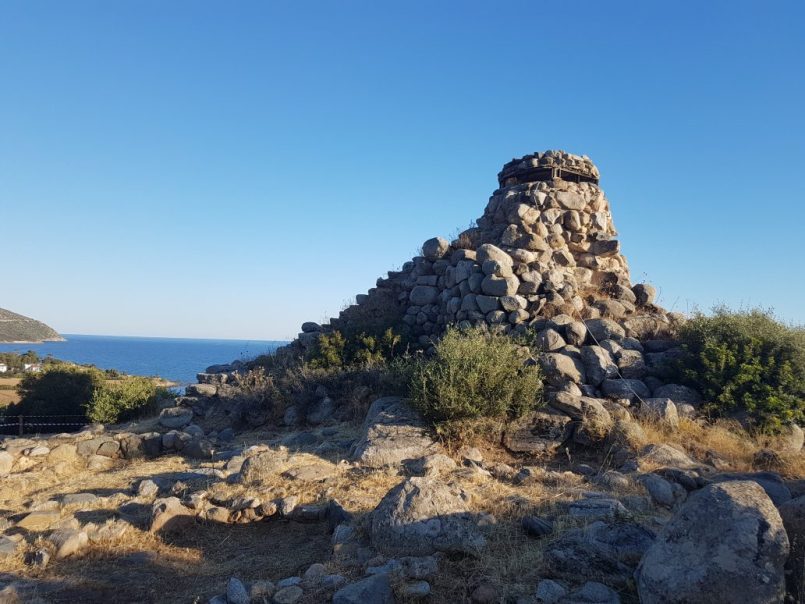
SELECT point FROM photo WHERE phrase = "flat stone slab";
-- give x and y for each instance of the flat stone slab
(392, 432)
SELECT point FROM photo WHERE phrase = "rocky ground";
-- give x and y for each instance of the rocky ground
(197, 505)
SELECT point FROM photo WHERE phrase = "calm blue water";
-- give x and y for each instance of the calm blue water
(176, 359)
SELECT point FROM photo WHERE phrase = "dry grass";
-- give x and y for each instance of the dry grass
(197, 563)
(727, 442)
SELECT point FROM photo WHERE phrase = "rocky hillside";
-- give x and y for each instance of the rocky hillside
(17, 328)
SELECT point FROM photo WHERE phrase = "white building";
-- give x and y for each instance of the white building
(32, 367)
(3, 368)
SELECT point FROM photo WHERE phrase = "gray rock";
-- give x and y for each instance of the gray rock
(574, 553)
(614, 480)
(175, 417)
(658, 488)
(570, 200)
(310, 327)
(539, 432)
(598, 364)
(679, 394)
(436, 248)
(8, 547)
(550, 591)
(490, 252)
(422, 295)
(236, 592)
(770, 482)
(68, 542)
(487, 304)
(423, 515)
(793, 515)
(431, 465)
(664, 455)
(549, 340)
(625, 389)
(263, 465)
(605, 329)
(560, 368)
(631, 364)
(6, 463)
(492, 285)
(596, 508)
(790, 438)
(288, 595)
(392, 433)
(575, 333)
(592, 592)
(661, 410)
(725, 544)
(79, 499)
(375, 589)
(644, 294)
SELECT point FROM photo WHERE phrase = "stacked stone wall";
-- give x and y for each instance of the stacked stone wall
(545, 249)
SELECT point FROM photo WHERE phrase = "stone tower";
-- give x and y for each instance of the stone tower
(545, 248)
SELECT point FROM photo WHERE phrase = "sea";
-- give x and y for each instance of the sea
(175, 359)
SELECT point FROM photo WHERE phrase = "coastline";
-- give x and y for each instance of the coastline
(33, 341)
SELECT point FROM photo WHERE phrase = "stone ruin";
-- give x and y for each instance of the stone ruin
(545, 249)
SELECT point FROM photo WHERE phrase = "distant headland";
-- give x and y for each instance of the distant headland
(16, 328)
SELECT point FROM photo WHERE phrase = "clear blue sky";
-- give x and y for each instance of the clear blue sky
(231, 169)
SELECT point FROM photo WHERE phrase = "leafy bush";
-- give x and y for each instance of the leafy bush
(335, 350)
(118, 401)
(474, 374)
(74, 390)
(57, 390)
(745, 362)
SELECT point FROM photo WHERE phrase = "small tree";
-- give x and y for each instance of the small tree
(58, 390)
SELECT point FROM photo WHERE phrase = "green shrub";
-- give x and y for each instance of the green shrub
(329, 351)
(123, 400)
(745, 362)
(84, 391)
(336, 350)
(474, 374)
(57, 390)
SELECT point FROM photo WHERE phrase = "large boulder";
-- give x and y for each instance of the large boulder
(725, 544)
(660, 410)
(540, 432)
(392, 432)
(793, 514)
(422, 295)
(170, 516)
(608, 551)
(175, 417)
(679, 394)
(598, 364)
(770, 482)
(562, 368)
(423, 515)
(263, 465)
(435, 248)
